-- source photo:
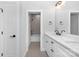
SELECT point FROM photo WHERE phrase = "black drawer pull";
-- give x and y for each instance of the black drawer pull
(52, 50)
(52, 42)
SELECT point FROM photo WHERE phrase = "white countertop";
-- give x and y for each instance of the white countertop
(69, 43)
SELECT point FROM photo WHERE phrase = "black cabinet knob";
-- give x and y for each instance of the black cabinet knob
(14, 35)
(52, 50)
(52, 42)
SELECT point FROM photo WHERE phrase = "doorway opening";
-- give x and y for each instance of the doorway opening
(34, 32)
(34, 18)
(74, 22)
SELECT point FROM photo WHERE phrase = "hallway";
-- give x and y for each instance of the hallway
(34, 51)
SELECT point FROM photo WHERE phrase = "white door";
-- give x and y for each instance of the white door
(1, 36)
(10, 29)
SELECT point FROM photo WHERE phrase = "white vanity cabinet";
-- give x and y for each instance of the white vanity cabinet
(47, 45)
(54, 49)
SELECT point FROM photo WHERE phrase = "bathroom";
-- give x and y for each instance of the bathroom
(57, 30)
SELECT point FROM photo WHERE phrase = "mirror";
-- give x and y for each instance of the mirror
(74, 23)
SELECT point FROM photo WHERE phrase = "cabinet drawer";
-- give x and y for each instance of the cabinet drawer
(59, 50)
(67, 52)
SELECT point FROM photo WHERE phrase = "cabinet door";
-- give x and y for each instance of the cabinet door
(45, 42)
(57, 52)
(47, 45)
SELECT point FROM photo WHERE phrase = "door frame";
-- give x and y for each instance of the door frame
(27, 28)
(70, 20)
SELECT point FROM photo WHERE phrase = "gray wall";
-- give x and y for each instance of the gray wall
(35, 24)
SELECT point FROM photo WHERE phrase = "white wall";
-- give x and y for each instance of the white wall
(46, 7)
(35, 24)
(63, 14)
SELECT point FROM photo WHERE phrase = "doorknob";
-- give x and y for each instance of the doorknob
(13, 36)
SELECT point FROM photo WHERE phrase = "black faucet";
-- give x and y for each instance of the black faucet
(62, 31)
(57, 32)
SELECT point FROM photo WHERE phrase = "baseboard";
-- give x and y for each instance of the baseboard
(25, 52)
(35, 41)
(42, 49)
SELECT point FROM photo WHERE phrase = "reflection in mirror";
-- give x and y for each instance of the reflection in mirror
(74, 20)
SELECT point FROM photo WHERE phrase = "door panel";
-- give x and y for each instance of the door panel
(10, 28)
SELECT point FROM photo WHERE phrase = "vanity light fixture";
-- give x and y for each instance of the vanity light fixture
(58, 3)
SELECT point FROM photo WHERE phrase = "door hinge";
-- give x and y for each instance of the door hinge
(2, 32)
(1, 54)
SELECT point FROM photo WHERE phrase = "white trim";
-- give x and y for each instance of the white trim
(78, 24)
(70, 19)
(18, 30)
(69, 22)
(27, 27)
